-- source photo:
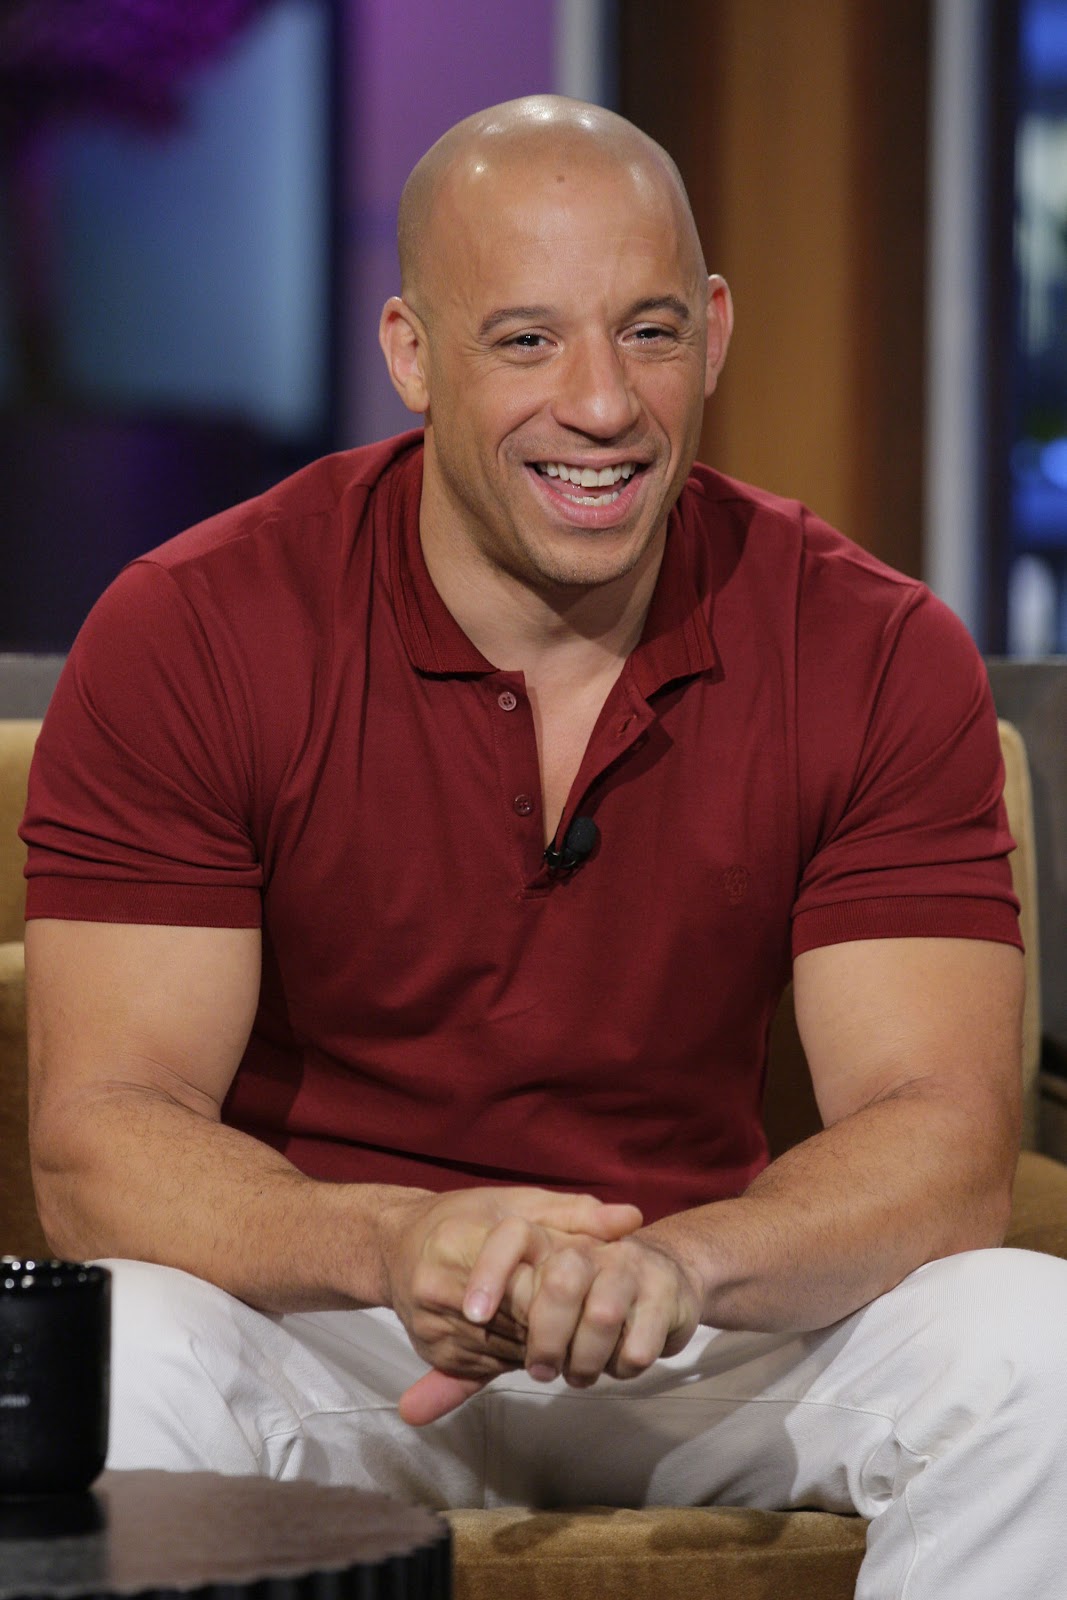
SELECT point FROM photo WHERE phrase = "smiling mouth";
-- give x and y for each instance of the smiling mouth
(589, 486)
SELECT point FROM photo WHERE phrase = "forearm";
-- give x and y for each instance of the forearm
(130, 1172)
(845, 1216)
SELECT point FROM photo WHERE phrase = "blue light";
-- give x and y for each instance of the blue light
(1054, 462)
(1044, 41)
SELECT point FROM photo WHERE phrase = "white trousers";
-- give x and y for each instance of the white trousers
(939, 1412)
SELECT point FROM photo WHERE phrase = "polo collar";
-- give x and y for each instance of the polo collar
(434, 640)
(676, 641)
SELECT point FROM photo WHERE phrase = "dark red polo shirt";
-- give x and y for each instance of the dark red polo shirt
(274, 717)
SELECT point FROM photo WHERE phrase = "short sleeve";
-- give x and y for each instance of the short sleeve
(908, 835)
(139, 795)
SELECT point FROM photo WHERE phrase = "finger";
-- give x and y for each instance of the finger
(521, 1237)
(611, 1301)
(643, 1341)
(581, 1213)
(505, 1248)
(434, 1395)
(514, 1313)
(431, 1324)
(556, 1310)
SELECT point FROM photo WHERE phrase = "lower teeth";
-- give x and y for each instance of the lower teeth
(592, 500)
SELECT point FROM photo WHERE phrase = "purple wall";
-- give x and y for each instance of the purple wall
(411, 70)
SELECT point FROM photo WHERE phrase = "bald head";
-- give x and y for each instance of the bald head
(523, 140)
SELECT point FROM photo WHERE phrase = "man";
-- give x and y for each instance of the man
(345, 1019)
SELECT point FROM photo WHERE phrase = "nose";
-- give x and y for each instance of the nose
(594, 396)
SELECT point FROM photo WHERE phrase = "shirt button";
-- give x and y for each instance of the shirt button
(523, 804)
(506, 700)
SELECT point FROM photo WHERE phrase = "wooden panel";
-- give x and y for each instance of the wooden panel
(889, 139)
(779, 239)
(800, 128)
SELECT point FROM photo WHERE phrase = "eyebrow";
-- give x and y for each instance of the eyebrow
(656, 302)
(661, 302)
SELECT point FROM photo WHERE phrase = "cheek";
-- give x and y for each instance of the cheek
(676, 400)
(478, 413)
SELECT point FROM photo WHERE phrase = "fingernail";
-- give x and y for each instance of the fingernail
(476, 1306)
(541, 1373)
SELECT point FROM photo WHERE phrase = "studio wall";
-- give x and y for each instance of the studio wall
(800, 127)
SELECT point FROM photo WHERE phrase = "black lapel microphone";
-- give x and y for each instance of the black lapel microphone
(579, 842)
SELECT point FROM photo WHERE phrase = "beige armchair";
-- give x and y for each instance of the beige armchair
(593, 1553)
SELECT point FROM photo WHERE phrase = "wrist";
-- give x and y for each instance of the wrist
(670, 1238)
(377, 1263)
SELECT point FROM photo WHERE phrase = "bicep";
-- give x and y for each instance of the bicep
(163, 1009)
(939, 1017)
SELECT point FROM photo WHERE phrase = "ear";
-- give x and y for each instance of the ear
(402, 337)
(720, 327)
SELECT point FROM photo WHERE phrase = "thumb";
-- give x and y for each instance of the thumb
(434, 1395)
(581, 1213)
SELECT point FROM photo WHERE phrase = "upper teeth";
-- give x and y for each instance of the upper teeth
(588, 477)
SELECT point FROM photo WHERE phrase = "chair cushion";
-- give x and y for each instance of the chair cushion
(706, 1553)
(20, 1231)
(17, 739)
(1039, 1205)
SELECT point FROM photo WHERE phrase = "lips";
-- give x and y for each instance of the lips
(589, 496)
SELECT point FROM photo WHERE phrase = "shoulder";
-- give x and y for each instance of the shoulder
(261, 580)
(784, 548)
(883, 686)
(772, 565)
(324, 501)
(216, 642)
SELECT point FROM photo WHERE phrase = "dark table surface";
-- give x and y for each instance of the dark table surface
(136, 1532)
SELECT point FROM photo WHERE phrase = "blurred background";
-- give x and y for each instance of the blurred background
(197, 209)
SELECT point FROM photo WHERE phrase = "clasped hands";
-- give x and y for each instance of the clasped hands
(488, 1281)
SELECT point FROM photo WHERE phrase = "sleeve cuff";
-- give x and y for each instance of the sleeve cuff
(182, 905)
(906, 917)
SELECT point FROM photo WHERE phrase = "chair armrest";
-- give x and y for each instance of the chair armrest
(1039, 1205)
(20, 1231)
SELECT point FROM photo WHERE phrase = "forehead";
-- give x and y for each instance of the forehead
(569, 220)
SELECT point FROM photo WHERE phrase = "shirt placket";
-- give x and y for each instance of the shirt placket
(621, 729)
(518, 771)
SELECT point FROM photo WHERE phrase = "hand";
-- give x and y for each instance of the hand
(431, 1248)
(591, 1307)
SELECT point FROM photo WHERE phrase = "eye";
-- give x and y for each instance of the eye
(526, 341)
(649, 335)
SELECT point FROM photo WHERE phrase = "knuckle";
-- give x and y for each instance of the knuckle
(429, 1285)
(608, 1305)
(565, 1272)
(442, 1237)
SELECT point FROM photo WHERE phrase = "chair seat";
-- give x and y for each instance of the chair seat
(706, 1553)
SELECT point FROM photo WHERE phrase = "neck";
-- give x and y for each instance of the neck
(536, 630)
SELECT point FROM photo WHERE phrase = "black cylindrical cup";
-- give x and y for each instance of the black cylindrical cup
(55, 1350)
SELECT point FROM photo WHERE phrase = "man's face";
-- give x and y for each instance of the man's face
(566, 314)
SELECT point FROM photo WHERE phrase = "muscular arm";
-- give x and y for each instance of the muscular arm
(914, 1051)
(135, 1036)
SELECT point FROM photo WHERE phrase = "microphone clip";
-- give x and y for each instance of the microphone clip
(579, 842)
